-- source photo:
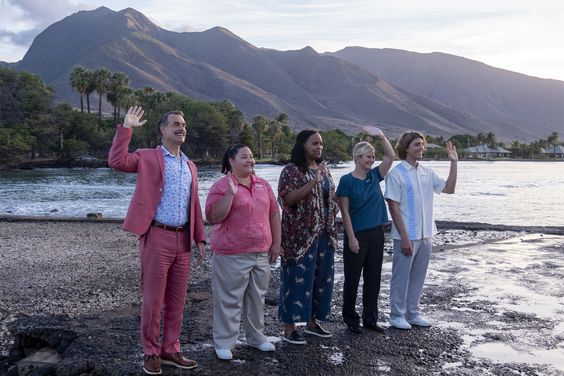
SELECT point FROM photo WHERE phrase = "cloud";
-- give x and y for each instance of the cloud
(23, 38)
(22, 20)
(491, 32)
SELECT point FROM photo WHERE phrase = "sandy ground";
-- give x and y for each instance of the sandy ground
(71, 289)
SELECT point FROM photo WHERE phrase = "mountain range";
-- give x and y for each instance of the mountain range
(395, 90)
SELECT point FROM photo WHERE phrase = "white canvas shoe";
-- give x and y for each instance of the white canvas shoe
(267, 346)
(419, 321)
(224, 354)
(400, 323)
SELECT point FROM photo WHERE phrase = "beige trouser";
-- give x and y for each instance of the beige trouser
(239, 286)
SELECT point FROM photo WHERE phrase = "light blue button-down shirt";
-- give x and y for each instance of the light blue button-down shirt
(175, 200)
(413, 188)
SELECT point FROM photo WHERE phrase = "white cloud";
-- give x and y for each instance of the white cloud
(519, 35)
(22, 20)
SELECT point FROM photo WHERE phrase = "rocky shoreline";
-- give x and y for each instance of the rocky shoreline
(70, 306)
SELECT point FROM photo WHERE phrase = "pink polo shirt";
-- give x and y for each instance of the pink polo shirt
(247, 226)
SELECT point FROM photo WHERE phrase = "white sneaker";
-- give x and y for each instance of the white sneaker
(267, 346)
(419, 321)
(224, 354)
(400, 323)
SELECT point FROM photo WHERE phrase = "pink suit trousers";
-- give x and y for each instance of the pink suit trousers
(165, 269)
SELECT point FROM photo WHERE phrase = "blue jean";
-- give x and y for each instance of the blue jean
(306, 285)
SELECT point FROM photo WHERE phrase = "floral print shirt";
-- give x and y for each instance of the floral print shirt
(303, 222)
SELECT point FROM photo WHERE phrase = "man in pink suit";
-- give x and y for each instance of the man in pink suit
(165, 213)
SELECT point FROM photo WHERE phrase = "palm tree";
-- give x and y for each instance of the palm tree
(552, 140)
(260, 125)
(481, 138)
(149, 99)
(538, 145)
(90, 86)
(276, 132)
(125, 99)
(491, 140)
(235, 119)
(101, 80)
(517, 148)
(118, 88)
(77, 80)
(129, 99)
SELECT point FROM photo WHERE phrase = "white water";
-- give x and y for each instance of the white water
(510, 193)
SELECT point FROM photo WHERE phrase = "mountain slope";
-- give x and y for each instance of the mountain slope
(315, 90)
(495, 94)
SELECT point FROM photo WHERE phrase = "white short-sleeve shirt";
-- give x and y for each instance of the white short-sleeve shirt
(413, 188)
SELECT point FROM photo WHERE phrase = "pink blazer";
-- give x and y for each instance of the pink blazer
(149, 166)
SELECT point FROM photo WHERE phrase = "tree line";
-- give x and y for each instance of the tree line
(33, 126)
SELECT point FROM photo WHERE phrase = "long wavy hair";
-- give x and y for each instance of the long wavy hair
(405, 139)
(298, 152)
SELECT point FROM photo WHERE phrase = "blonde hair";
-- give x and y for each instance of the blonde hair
(404, 141)
(362, 148)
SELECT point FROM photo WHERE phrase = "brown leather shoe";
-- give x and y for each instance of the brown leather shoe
(152, 365)
(178, 360)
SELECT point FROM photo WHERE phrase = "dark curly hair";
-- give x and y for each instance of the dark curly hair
(298, 152)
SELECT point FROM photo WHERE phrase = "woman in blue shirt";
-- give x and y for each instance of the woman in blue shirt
(364, 212)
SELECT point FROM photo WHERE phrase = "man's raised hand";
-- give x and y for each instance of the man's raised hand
(451, 151)
(133, 117)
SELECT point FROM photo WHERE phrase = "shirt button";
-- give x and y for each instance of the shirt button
(160, 189)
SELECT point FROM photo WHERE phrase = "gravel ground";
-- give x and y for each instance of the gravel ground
(495, 297)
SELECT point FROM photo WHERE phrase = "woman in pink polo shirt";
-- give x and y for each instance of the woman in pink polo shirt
(245, 239)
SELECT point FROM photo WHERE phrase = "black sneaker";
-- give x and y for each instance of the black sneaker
(355, 328)
(373, 327)
(317, 330)
(294, 337)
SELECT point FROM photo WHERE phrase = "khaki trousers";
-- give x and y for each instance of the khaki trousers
(239, 286)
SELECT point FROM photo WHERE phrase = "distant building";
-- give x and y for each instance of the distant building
(430, 145)
(486, 152)
(553, 151)
(433, 151)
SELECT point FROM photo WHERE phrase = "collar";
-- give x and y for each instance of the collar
(167, 153)
(254, 180)
(407, 165)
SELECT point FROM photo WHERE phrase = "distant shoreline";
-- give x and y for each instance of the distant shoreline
(102, 163)
(441, 225)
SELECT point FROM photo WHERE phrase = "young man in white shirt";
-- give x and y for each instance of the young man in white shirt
(409, 193)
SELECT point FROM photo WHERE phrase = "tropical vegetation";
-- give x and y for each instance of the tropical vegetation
(34, 127)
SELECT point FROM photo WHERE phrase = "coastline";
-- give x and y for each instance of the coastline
(71, 285)
(99, 163)
(441, 225)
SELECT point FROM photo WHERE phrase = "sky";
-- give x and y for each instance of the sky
(518, 35)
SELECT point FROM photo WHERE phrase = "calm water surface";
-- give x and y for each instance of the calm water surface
(512, 193)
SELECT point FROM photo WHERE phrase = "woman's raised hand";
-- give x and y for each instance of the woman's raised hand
(231, 184)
